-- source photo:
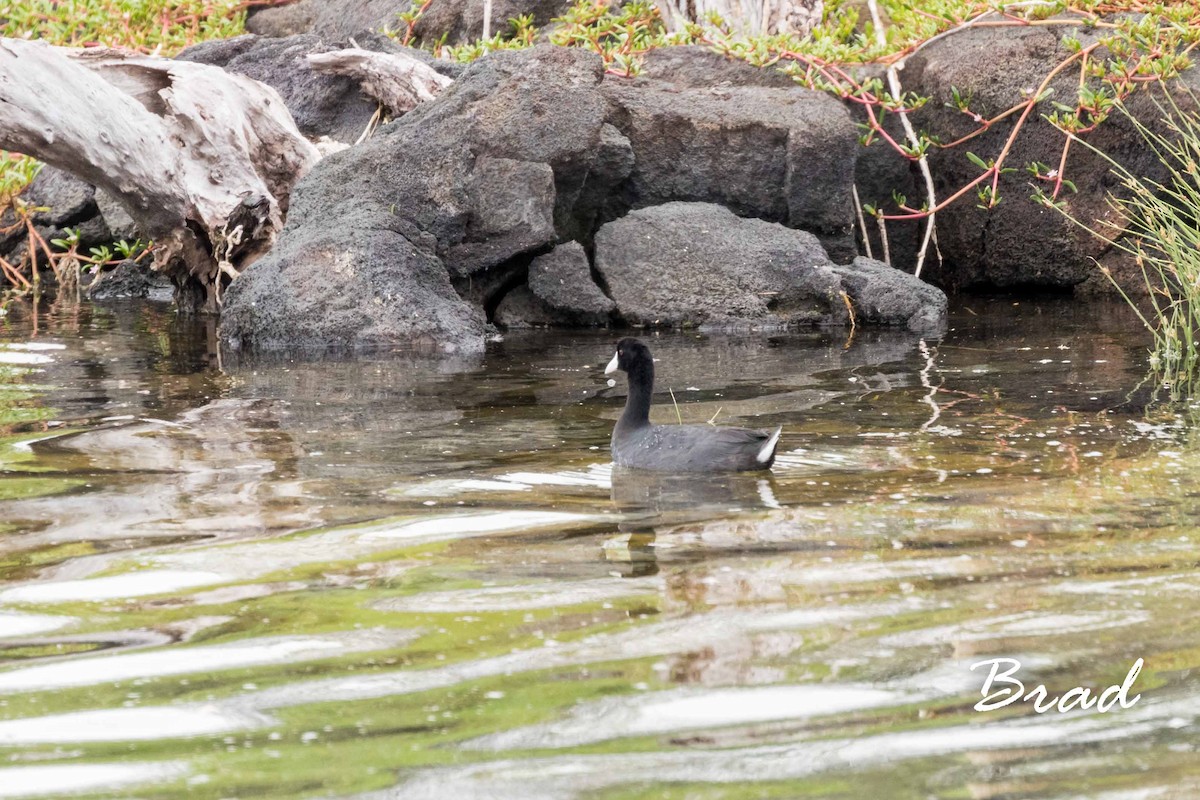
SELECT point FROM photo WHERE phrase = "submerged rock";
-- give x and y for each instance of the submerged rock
(131, 280)
(882, 295)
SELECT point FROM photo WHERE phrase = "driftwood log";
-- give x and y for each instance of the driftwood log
(202, 159)
(747, 17)
(399, 82)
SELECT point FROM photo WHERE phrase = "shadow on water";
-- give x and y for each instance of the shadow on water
(396, 576)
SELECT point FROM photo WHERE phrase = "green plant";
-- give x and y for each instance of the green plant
(620, 36)
(521, 34)
(148, 26)
(1158, 224)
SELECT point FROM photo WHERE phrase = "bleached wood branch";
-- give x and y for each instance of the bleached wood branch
(910, 135)
(202, 159)
(398, 81)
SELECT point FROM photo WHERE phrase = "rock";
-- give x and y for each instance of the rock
(599, 198)
(459, 187)
(784, 155)
(698, 264)
(520, 309)
(280, 21)
(882, 295)
(121, 226)
(68, 200)
(321, 104)
(459, 21)
(92, 232)
(329, 19)
(354, 285)
(129, 280)
(562, 280)
(695, 67)
(511, 211)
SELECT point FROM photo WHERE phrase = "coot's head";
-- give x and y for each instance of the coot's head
(631, 356)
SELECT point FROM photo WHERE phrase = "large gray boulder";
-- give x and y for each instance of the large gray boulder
(456, 190)
(360, 286)
(699, 265)
(780, 154)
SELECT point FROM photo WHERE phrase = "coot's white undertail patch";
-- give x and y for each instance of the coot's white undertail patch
(678, 448)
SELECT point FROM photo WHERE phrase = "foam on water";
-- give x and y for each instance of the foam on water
(111, 587)
(59, 779)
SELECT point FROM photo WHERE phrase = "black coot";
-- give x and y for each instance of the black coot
(678, 448)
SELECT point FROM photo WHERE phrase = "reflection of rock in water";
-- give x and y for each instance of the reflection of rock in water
(754, 374)
(367, 412)
(220, 470)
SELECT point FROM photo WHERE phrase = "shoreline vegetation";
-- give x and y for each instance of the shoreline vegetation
(956, 152)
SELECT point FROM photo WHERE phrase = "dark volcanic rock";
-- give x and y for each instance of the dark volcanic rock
(562, 279)
(329, 19)
(511, 211)
(685, 264)
(129, 280)
(454, 188)
(1018, 243)
(358, 285)
(67, 202)
(520, 309)
(459, 20)
(120, 224)
(882, 295)
(694, 66)
(784, 155)
(67, 199)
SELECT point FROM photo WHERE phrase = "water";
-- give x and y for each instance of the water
(391, 577)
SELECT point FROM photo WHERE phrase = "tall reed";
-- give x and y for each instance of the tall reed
(1157, 222)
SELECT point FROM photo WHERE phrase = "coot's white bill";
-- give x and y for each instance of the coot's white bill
(612, 365)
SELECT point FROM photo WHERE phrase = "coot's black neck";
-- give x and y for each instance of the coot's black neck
(641, 387)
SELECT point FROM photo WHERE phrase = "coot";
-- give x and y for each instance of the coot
(678, 448)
